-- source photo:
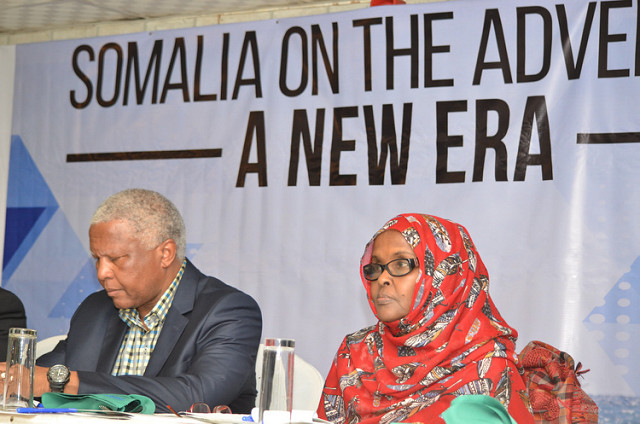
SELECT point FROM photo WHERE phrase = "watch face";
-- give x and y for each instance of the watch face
(58, 373)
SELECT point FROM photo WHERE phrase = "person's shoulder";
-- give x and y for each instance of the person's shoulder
(208, 283)
(96, 300)
(360, 335)
(216, 289)
(10, 301)
(9, 295)
(210, 289)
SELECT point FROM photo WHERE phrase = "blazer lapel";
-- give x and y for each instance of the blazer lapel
(175, 321)
(114, 334)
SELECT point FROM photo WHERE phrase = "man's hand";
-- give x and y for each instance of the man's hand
(40, 382)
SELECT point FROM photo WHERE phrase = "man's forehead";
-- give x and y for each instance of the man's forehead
(112, 231)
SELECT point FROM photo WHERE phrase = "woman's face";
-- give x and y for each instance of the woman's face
(392, 296)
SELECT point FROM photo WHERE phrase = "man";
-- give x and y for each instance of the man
(11, 315)
(160, 327)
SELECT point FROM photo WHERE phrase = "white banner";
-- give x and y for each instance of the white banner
(287, 143)
(7, 66)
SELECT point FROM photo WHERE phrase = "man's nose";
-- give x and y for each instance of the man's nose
(103, 270)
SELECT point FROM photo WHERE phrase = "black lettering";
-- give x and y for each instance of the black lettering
(224, 66)
(250, 44)
(574, 69)
(179, 51)
(411, 51)
(254, 126)
(430, 50)
(637, 73)
(284, 61)
(197, 97)
(366, 43)
(339, 145)
(318, 44)
(485, 141)
(134, 67)
(81, 104)
(444, 141)
(492, 20)
(606, 38)
(397, 163)
(535, 110)
(522, 12)
(312, 153)
(101, 71)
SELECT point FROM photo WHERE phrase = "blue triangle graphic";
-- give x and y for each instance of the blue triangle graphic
(617, 323)
(83, 285)
(192, 249)
(621, 301)
(27, 187)
(30, 206)
(19, 223)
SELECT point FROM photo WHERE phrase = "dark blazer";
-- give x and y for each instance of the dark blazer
(206, 351)
(11, 315)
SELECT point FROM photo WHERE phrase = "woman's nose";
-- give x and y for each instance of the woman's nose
(384, 278)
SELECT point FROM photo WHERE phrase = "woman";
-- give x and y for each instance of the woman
(438, 334)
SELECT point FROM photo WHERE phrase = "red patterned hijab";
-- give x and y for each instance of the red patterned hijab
(453, 342)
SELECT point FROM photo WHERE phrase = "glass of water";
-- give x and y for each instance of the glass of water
(276, 389)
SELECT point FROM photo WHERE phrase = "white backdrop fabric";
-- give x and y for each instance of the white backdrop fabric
(7, 66)
(532, 146)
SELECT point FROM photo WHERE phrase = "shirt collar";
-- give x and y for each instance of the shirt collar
(159, 312)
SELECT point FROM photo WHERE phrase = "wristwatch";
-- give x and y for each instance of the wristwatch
(58, 376)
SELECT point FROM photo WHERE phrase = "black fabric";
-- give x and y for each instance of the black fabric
(11, 315)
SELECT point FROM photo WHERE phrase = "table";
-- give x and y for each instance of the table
(99, 418)
(298, 416)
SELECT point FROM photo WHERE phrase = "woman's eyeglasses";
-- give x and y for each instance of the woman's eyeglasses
(396, 268)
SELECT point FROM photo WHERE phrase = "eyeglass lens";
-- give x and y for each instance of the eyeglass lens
(397, 268)
(203, 408)
(200, 408)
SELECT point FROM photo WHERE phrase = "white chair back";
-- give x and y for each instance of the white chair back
(307, 383)
(47, 345)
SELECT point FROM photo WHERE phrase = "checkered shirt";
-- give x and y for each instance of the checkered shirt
(141, 337)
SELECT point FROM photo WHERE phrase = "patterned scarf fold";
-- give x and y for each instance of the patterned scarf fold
(452, 342)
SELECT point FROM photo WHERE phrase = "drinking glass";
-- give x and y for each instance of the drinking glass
(21, 363)
(276, 391)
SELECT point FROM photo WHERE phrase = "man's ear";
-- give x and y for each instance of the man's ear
(169, 250)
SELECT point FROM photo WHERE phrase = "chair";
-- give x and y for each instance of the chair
(307, 383)
(47, 345)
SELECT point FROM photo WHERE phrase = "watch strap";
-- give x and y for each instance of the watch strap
(58, 386)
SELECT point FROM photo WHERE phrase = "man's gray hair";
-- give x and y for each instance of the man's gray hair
(153, 217)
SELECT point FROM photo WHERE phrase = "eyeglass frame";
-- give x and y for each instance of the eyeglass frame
(203, 407)
(413, 263)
